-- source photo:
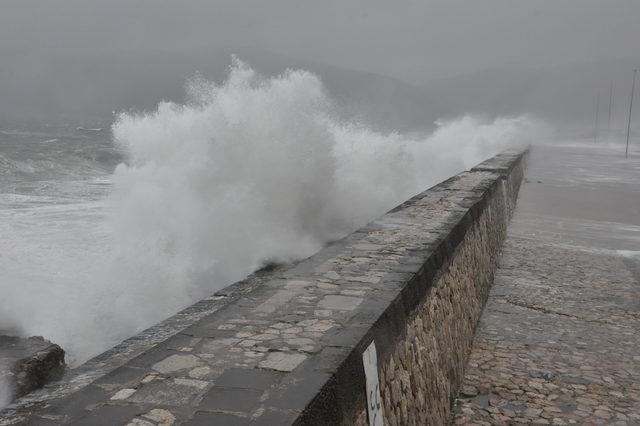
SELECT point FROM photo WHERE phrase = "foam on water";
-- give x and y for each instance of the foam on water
(250, 171)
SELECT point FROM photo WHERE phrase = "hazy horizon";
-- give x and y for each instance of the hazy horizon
(397, 66)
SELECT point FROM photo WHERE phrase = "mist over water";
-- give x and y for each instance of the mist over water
(249, 171)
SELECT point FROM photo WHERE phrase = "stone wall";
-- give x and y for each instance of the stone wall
(420, 376)
(289, 348)
(420, 372)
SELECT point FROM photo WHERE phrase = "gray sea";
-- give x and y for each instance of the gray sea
(53, 186)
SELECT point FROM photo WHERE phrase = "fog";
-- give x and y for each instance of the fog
(398, 65)
(333, 114)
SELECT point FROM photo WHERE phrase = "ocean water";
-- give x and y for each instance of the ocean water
(54, 184)
(104, 233)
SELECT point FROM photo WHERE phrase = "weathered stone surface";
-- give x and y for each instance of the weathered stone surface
(341, 303)
(175, 363)
(281, 361)
(29, 363)
(169, 392)
(160, 417)
(123, 394)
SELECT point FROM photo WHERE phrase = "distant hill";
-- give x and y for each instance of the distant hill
(84, 87)
(89, 85)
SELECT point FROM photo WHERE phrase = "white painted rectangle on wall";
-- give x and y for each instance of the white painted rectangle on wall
(374, 401)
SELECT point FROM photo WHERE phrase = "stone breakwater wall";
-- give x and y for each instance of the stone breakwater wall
(290, 350)
(445, 242)
(423, 368)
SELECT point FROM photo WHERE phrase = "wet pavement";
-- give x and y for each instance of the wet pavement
(559, 339)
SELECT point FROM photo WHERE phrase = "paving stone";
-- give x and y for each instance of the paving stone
(75, 406)
(468, 391)
(140, 422)
(200, 372)
(248, 378)
(340, 303)
(161, 417)
(282, 361)
(200, 384)
(171, 392)
(212, 346)
(230, 399)
(123, 394)
(122, 377)
(175, 363)
(110, 415)
(41, 421)
(276, 301)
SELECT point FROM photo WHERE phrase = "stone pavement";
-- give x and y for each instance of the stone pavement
(559, 340)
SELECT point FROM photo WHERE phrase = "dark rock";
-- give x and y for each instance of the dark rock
(29, 363)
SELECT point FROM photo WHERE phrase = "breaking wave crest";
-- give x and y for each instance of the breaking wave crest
(260, 169)
(250, 171)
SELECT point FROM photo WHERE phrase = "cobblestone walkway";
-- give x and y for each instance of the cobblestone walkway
(559, 340)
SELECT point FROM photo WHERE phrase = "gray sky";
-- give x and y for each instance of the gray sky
(410, 40)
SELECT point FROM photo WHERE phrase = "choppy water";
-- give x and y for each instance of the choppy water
(53, 186)
(57, 162)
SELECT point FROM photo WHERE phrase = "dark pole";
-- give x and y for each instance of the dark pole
(633, 88)
(610, 105)
(595, 130)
